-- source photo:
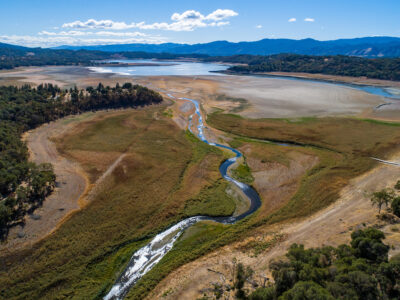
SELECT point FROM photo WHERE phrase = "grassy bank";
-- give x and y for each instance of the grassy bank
(344, 147)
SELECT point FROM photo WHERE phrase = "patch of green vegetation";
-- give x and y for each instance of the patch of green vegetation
(243, 103)
(258, 247)
(168, 113)
(211, 201)
(90, 140)
(78, 118)
(301, 120)
(200, 148)
(381, 122)
(243, 173)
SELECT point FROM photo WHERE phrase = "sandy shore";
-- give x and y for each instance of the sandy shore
(343, 79)
(277, 98)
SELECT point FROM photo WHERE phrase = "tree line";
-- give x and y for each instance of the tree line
(361, 270)
(377, 68)
(15, 56)
(23, 184)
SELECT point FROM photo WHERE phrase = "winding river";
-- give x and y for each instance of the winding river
(144, 259)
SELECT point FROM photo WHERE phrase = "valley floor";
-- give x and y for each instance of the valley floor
(157, 174)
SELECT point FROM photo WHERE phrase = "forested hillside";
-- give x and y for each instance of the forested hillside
(15, 56)
(379, 68)
(24, 185)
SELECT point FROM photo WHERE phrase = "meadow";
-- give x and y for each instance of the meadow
(344, 147)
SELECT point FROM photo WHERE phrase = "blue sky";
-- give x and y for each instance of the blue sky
(51, 22)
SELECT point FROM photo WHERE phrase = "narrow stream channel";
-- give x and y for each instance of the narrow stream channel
(144, 259)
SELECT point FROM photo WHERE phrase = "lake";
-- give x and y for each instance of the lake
(183, 68)
(164, 68)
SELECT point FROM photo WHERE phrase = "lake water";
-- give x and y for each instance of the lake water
(167, 68)
(179, 68)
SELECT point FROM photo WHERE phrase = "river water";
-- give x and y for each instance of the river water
(144, 259)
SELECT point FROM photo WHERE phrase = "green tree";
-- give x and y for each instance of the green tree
(267, 293)
(396, 206)
(307, 290)
(242, 275)
(368, 244)
(383, 197)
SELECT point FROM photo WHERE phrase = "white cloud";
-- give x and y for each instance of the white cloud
(187, 15)
(292, 20)
(186, 21)
(88, 33)
(221, 14)
(259, 26)
(51, 41)
(309, 20)
(95, 32)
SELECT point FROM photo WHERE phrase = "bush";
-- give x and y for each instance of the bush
(396, 206)
(267, 293)
(307, 290)
(397, 185)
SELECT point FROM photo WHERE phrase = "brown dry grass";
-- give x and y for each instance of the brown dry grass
(163, 168)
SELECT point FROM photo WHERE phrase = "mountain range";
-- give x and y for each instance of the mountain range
(363, 47)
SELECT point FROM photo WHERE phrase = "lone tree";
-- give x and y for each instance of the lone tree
(383, 197)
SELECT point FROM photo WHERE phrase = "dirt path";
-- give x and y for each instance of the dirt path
(331, 226)
(71, 184)
(73, 189)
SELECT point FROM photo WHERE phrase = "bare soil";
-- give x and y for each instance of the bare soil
(71, 185)
(336, 78)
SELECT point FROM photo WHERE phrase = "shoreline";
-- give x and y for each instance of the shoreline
(360, 81)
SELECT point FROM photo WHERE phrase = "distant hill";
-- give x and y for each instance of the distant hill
(12, 56)
(363, 47)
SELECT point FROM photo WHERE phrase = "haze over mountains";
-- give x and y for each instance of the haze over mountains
(365, 47)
